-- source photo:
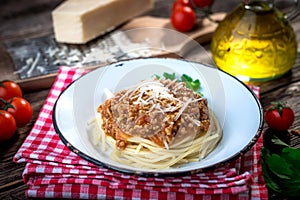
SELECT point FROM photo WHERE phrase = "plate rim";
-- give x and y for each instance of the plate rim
(96, 162)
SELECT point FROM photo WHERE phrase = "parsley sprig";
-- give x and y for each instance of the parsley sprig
(281, 167)
(194, 85)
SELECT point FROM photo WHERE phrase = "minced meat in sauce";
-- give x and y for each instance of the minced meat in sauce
(157, 110)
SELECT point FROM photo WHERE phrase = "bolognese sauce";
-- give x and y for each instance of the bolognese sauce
(163, 111)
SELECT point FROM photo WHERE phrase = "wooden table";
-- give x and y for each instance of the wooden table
(24, 19)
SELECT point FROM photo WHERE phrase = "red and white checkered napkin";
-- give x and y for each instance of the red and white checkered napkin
(53, 171)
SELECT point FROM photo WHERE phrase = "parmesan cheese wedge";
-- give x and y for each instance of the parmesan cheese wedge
(79, 21)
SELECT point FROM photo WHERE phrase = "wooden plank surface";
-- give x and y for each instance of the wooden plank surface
(23, 19)
(32, 48)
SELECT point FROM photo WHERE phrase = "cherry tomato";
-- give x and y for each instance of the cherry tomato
(22, 111)
(9, 89)
(7, 125)
(183, 18)
(202, 3)
(279, 116)
(180, 3)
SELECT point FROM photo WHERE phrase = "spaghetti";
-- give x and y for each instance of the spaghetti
(157, 124)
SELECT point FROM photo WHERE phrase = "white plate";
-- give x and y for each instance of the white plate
(235, 105)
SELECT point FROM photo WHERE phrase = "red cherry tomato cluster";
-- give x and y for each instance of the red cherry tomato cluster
(279, 116)
(15, 111)
(183, 16)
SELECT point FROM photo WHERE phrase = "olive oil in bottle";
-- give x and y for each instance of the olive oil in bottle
(254, 42)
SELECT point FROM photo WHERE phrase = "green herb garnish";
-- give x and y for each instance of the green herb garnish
(169, 76)
(281, 168)
(189, 82)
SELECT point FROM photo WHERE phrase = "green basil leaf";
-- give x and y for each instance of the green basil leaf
(169, 76)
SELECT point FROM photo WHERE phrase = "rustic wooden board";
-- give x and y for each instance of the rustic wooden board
(19, 52)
